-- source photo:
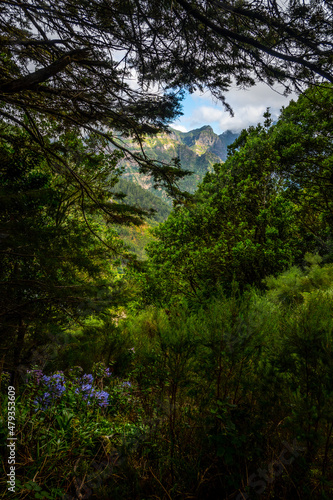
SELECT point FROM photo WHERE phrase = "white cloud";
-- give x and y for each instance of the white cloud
(181, 128)
(257, 95)
(248, 106)
(244, 117)
(208, 114)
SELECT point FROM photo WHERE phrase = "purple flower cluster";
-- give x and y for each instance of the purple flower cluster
(44, 401)
(56, 383)
(90, 394)
(56, 387)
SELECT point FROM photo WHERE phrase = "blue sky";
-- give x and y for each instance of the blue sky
(248, 105)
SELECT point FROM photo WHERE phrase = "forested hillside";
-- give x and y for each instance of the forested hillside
(184, 352)
(135, 195)
(138, 237)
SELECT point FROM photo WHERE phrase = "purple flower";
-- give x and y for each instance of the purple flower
(102, 398)
(45, 379)
(86, 391)
(87, 388)
(88, 378)
(43, 401)
(107, 372)
(55, 384)
(59, 389)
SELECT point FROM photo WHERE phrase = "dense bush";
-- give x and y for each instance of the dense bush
(211, 402)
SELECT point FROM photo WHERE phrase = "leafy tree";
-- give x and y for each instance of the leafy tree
(54, 268)
(303, 140)
(244, 224)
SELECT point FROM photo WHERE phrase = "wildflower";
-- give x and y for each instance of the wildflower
(88, 378)
(55, 387)
(126, 384)
(56, 384)
(88, 388)
(59, 389)
(45, 379)
(43, 402)
(102, 398)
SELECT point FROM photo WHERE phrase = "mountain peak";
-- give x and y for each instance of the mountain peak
(229, 133)
(205, 127)
(202, 130)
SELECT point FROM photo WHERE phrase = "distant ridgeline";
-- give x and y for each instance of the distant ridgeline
(198, 151)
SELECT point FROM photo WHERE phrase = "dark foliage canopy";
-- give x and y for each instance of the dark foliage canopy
(73, 61)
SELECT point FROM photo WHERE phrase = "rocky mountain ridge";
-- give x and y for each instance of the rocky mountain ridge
(198, 150)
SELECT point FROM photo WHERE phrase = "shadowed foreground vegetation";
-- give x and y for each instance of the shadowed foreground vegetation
(197, 405)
